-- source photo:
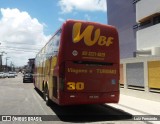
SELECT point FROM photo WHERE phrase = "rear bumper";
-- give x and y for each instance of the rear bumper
(27, 80)
(11, 76)
(88, 98)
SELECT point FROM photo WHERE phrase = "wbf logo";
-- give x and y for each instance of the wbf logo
(78, 35)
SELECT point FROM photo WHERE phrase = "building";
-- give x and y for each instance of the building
(122, 15)
(138, 25)
(31, 65)
(29, 68)
(148, 20)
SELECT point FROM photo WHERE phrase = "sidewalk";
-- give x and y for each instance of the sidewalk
(141, 94)
(138, 106)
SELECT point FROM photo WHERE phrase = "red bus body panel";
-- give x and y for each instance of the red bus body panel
(87, 65)
(100, 85)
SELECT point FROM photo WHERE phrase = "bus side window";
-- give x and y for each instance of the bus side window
(56, 42)
(53, 46)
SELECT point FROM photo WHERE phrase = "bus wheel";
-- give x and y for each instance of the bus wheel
(46, 97)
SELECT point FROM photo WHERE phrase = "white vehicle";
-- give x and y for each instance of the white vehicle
(11, 74)
(2, 75)
(6, 74)
(15, 73)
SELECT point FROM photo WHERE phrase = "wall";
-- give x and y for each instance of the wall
(146, 8)
(121, 74)
(142, 72)
(148, 37)
(122, 15)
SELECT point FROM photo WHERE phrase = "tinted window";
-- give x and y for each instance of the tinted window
(53, 45)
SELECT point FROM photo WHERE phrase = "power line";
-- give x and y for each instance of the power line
(21, 47)
(23, 50)
(21, 43)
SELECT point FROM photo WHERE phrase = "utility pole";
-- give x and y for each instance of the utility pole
(12, 66)
(6, 63)
(1, 60)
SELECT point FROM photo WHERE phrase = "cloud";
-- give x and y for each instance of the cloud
(61, 19)
(21, 36)
(85, 5)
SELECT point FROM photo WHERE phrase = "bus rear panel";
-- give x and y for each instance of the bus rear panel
(90, 59)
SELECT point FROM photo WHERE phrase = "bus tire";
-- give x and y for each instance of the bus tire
(43, 92)
(46, 97)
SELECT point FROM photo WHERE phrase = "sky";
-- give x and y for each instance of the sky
(27, 25)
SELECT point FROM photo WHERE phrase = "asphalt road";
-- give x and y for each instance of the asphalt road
(18, 98)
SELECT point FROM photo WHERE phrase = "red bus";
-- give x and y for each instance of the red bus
(79, 65)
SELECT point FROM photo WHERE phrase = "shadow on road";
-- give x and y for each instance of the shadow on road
(27, 82)
(88, 113)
